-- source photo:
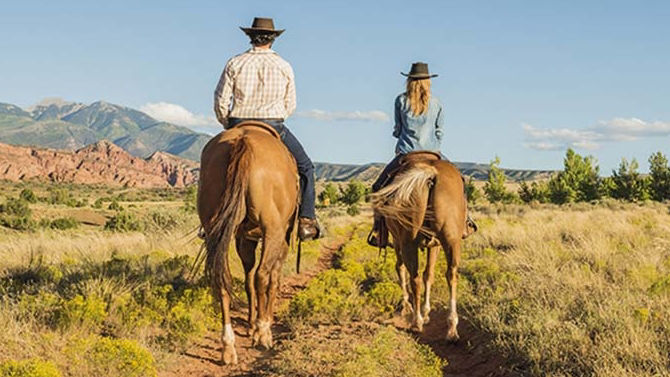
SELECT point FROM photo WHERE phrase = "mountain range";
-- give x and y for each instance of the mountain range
(71, 126)
(59, 124)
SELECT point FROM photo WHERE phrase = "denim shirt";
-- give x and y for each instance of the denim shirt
(418, 133)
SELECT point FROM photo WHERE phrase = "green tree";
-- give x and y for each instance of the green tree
(659, 177)
(353, 193)
(536, 191)
(579, 181)
(494, 188)
(329, 195)
(28, 195)
(471, 191)
(628, 184)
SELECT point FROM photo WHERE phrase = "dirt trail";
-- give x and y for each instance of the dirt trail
(469, 357)
(203, 358)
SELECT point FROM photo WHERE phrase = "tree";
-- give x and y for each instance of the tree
(353, 193)
(494, 188)
(579, 181)
(659, 177)
(628, 184)
(329, 195)
(471, 191)
(536, 191)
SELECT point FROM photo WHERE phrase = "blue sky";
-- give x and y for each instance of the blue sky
(519, 79)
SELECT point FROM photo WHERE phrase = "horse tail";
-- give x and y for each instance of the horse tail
(229, 216)
(406, 199)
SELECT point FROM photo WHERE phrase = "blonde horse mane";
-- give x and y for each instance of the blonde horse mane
(406, 198)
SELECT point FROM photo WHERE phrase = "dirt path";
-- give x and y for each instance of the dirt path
(469, 357)
(203, 358)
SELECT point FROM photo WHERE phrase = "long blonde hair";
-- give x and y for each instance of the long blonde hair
(418, 95)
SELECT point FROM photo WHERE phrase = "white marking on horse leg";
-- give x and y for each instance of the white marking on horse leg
(229, 355)
(452, 332)
(426, 303)
(263, 334)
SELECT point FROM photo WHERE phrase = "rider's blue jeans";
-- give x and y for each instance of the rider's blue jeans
(305, 165)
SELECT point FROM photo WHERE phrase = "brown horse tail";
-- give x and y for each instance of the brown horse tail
(229, 216)
(405, 200)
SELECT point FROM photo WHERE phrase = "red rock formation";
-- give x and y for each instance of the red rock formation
(99, 163)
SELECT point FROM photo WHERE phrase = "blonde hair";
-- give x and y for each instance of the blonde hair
(418, 95)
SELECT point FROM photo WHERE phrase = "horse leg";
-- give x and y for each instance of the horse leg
(228, 353)
(262, 335)
(411, 260)
(402, 279)
(275, 279)
(452, 249)
(246, 249)
(428, 277)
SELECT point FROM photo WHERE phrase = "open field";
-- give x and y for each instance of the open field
(580, 290)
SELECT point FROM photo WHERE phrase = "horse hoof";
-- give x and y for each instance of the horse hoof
(452, 336)
(229, 355)
(262, 339)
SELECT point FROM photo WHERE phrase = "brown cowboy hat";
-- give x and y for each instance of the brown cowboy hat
(262, 25)
(419, 71)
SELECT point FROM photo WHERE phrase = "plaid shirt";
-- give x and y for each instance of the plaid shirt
(259, 84)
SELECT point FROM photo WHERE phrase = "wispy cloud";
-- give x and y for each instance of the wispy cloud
(616, 129)
(368, 116)
(173, 113)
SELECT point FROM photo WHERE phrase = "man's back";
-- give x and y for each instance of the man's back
(261, 84)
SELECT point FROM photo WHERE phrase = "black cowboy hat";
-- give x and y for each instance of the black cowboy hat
(418, 71)
(262, 25)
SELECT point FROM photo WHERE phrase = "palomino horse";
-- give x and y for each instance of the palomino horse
(248, 191)
(425, 200)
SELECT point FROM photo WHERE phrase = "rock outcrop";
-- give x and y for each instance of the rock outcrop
(98, 163)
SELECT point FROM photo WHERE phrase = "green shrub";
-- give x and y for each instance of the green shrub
(15, 207)
(353, 210)
(28, 368)
(98, 203)
(332, 296)
(472, 193)
(114, 206)
(80, 310)
(353, 193)
(28, 195)
(123, 221)
(494, 188)
(384, 296)
(62, 196)
(18, 223)
(329, 195)
(64, 223)
(112, 357)
(163, 220)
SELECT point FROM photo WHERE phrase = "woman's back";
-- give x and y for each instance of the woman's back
(418, 131)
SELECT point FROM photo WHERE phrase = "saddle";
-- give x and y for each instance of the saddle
(258, 125)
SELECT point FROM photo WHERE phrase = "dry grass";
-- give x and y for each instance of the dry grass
(583, 291)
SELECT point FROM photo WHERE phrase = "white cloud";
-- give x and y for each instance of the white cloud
(369, 116)
(616, 129)
(172, 113)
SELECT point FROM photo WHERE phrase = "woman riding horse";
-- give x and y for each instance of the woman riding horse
(419, 123)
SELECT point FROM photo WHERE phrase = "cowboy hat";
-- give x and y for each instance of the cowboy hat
(419, 71)
(262, 25)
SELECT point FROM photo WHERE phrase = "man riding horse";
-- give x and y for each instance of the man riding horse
(259, 85)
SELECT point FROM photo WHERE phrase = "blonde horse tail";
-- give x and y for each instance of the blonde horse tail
(229, 216)
(405, 200)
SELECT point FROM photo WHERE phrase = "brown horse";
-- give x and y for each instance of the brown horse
(425, 201)
(248, 191)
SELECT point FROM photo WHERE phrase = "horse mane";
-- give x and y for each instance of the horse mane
(406, 199)
(229, 216)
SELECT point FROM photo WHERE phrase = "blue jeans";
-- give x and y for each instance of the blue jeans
(305, 165)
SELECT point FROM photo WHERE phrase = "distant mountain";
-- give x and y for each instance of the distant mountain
(99, 163)
(56, 123)
(369, 172)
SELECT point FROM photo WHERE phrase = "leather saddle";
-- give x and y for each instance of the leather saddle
(247, 124)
